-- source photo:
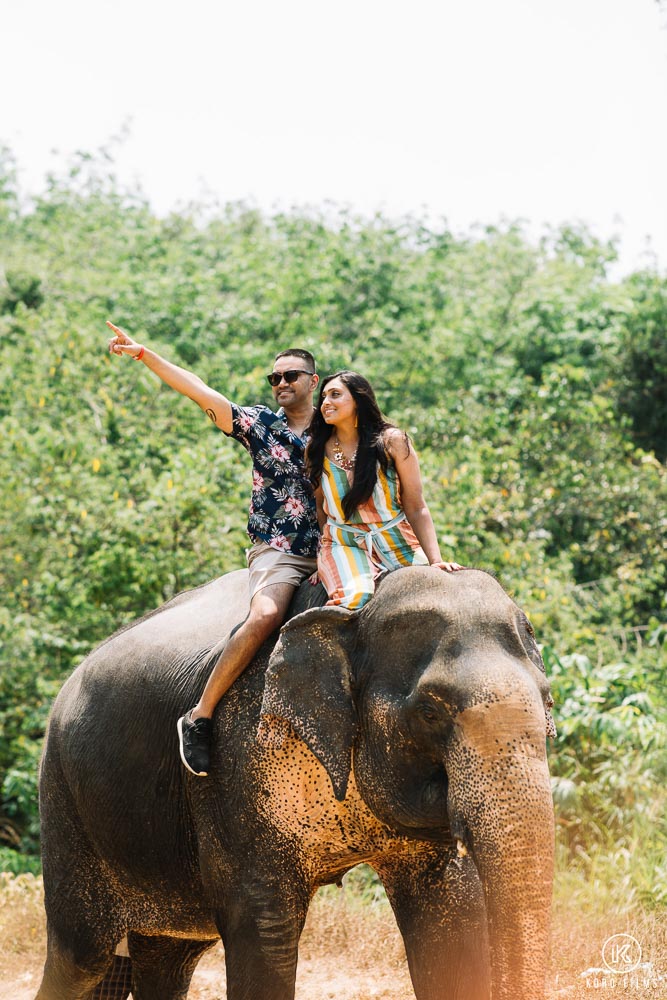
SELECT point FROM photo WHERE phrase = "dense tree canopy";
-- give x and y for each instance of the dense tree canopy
(534, 386)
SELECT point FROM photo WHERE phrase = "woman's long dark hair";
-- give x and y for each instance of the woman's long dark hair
(371, 428)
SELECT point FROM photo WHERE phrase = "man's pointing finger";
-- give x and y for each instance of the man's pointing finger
(116, 329)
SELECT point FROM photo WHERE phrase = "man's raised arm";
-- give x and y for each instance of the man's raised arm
(213, 403)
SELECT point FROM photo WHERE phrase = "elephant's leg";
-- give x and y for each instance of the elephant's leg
(72, 971)
(84, 916)
(260, 923)
(439, 906)
(162, 967)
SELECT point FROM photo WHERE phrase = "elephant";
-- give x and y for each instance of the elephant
(410, 735)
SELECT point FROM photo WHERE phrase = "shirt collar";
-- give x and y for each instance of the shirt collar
(281, 413)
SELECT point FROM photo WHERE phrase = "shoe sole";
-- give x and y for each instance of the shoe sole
(197, 774)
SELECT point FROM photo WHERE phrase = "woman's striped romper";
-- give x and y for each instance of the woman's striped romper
(376, 538)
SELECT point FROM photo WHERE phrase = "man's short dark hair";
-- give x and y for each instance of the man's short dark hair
(298, 353)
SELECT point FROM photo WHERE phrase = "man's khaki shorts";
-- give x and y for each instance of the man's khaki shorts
(268, 566)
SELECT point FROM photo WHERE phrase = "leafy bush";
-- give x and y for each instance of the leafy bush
(609, 764)
(641, 368)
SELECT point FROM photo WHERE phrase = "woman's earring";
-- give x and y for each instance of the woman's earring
(356, 420)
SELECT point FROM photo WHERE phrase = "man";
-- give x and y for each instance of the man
(282, 525)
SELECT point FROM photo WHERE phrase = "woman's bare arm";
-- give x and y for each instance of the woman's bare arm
(412, 498)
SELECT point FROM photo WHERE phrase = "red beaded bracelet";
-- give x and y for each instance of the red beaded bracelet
(139, 356)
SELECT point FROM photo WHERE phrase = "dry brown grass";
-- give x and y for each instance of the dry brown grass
(351, 950)
(22, 922)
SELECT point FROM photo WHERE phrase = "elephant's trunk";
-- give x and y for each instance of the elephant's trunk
(501, 811)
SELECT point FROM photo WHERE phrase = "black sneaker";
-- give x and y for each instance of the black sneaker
(195, 740)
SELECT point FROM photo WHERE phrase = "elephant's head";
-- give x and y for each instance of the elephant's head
(435, 693)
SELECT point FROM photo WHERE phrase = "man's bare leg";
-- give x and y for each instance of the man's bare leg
(268, 608)
(267, 613)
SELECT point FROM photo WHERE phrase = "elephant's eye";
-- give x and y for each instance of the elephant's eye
(428, 713)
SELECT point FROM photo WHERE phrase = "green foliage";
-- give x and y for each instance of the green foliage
(610, 707)
(609, 766)
(532, 384)
(21, 288)
(641, 369)
(16, 863)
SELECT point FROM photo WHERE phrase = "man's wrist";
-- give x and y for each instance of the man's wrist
(139, 356)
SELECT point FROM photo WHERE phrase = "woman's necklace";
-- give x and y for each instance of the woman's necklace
(340, 457)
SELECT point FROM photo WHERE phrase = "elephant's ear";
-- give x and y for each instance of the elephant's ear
(308, 684)
(533, 650)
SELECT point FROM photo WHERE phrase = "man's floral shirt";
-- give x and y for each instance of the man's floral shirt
(282, 506)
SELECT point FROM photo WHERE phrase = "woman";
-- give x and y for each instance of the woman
(368, 489)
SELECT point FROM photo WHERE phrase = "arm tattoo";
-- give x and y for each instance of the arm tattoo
(211, 414)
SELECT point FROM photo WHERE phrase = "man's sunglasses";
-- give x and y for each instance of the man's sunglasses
(275, 378)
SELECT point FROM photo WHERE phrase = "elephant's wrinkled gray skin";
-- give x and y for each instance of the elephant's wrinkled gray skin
(410, 735)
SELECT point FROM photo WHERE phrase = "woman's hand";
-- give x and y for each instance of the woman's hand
(313, 579)
(121, 343)
(449, 567)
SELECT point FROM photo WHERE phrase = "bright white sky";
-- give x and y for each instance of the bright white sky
(473, 110)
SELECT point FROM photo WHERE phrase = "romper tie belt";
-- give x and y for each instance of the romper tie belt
(368, 533)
